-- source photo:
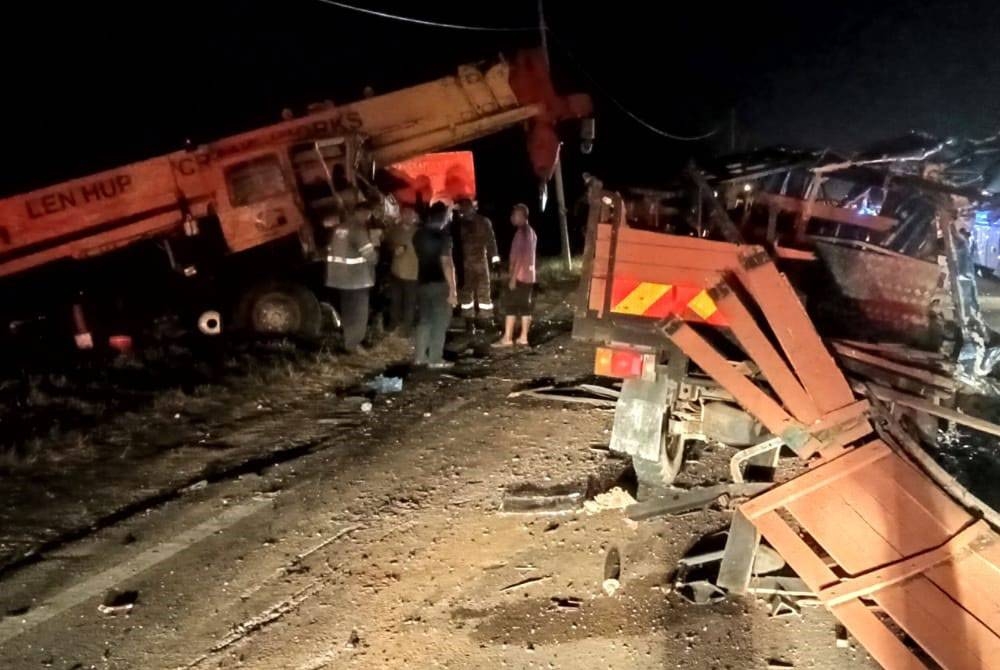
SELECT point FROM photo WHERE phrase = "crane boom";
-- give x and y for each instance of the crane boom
(156, 197)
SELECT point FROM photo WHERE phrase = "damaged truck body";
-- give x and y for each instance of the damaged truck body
(828, 307)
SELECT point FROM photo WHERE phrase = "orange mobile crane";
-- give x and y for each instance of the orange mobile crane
(243, 210)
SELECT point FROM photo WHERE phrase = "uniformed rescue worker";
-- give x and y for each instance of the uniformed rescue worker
(350, 271)
(479, 251)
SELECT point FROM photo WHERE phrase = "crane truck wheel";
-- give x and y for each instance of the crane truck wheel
(281, 308)
(664, 470)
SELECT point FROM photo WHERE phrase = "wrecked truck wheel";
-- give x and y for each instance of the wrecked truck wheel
(281, 309)
(664, 470)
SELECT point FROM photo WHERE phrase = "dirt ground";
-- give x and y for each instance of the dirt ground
(381, 544)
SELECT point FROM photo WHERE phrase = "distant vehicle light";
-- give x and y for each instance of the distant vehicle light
(747, 188)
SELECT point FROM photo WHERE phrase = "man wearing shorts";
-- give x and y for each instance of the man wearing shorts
(519, 298)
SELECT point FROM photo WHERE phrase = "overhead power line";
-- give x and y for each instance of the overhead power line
(517, 29)
(425, 22)
(621, 106)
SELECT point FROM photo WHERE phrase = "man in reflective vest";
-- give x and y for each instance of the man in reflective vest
(479, 251)
(350, 271)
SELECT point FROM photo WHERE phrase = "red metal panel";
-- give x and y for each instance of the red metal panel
(801, 343)
(917, 553)
(940, 625)
(760, 351)
(805, 484)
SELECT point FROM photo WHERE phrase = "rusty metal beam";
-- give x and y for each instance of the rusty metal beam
(811, 209)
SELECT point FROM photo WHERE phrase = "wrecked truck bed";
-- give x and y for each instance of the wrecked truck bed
(887, 540)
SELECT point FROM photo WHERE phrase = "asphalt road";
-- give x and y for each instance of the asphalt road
(386, 548)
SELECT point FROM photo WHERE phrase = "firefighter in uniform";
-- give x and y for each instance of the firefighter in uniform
(479, 251)
(350, 271)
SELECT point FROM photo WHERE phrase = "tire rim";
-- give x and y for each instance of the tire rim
(276, 313)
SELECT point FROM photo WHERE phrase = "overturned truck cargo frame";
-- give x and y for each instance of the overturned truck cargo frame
(867, 528)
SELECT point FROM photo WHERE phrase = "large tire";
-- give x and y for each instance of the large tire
(281, 308)
(664, 470)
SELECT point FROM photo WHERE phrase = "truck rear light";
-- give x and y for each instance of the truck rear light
(621, 363)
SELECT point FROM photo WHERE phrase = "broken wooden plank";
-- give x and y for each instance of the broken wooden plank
(923, 405)
(813, 209)
(898, 351)
(889, 426)
(919, 374)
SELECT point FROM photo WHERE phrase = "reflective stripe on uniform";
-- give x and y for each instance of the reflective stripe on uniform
(486, 305)
(366, 247)
(345, 261)
(469, 305)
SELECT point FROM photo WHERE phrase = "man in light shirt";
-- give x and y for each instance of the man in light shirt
(519, 298)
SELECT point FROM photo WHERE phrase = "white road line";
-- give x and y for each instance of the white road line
(99, 584)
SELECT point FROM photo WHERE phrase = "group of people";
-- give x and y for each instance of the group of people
(423, 285)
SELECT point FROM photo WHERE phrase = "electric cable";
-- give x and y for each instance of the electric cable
(621, 106)
(425, 22)
(455, 26)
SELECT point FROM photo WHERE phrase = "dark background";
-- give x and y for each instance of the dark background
(97, 84)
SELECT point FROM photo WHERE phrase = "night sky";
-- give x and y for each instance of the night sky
(833, 74)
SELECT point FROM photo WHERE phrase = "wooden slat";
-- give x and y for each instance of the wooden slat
(664, 274)
(919, 374)
(897, 351)
(843, 530)
(921, 491)
(758, 348)
(973, 580)
(803, 348)
(680, 257)
(649, 238)
(871, 582)
(791, 254)
(948, 633)
(827, 212)
(878, 640)
(879, 515)
(917, 403)
(816, 479)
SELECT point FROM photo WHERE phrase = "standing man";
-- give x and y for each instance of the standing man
(436, 295)
(519, 298)
(350, 271)
(479, 251)
(403, 272)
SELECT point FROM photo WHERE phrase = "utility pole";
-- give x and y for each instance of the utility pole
(567, 253)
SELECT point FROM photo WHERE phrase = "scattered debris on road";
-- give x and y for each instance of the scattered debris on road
(118, 602)
(587, 394)
(682, 501)
(616, 498)
(385, 385)
(524, 583)
(533, 499)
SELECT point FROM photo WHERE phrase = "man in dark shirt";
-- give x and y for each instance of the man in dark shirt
(436, 292)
